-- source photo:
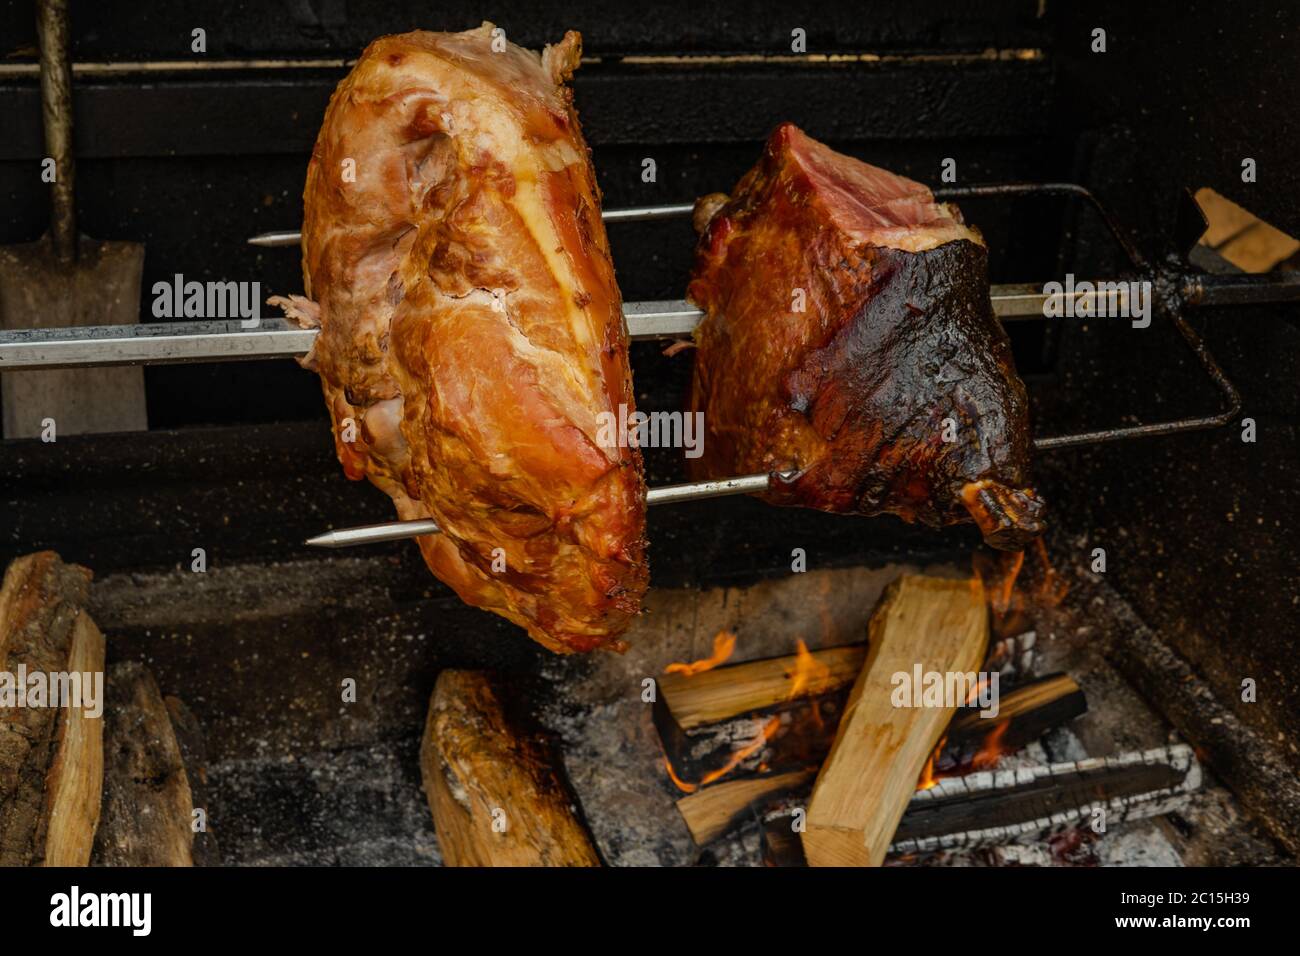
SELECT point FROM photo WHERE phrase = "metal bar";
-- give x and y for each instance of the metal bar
(1002, 190)
(282, 237)
(1025, 300)
(666, 319)
(1175, 426)
(1171, 298)
(1217, 290)
(292, 237)
(697, 490)
(56, 111)
(648, 213)
(219, 340)
(165, 343)
(668, 494)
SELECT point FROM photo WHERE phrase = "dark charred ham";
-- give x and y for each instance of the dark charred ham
(849, 337)
(472, 342)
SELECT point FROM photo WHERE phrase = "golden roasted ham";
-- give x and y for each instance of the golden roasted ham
(848, 337)
(472, 340)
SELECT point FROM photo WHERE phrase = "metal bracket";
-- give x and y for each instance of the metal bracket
(1171, 293)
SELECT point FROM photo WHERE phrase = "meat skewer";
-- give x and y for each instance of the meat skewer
(287, 237)
(665, 495)
(223, 340)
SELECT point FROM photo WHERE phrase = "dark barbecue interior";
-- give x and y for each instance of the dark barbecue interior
(1199, 529)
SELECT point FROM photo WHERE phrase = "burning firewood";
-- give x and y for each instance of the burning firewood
(880, 749)
(997, 806)
(720, 725)
(1025, 714)
(1029, 803)
(153, 754)
(712, 811)
(496, 796)
(51, 756)
(778, 714)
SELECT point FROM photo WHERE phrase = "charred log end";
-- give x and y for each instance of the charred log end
(1008, 518)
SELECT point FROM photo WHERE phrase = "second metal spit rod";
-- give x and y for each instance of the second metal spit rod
(293, 237)
(668, 494)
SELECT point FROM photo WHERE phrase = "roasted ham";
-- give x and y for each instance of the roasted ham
(472, 340)
(849, 339)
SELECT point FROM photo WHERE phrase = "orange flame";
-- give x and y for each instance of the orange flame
(736, 759)
(809, 675)
(991, 750)
(724, 644)
(808, 672)
(1053, 588)
(928, 777)
(1002, 596)
(1011, 599)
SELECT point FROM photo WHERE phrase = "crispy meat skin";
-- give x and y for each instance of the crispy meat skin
(897, 334)
(471, 328)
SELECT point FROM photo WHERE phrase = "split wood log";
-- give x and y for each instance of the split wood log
(51, 687)
(1024, 715)
(990, 807)
(933, 626)
(148, 814)
(994, 808)
(194, 755)
(765, 716)
(495, 790)
(712, 811)
(698, 700)
(798, 733)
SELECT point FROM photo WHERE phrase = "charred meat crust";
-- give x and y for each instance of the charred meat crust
(858, 349)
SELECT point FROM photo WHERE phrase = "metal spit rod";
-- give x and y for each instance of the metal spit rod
(218, 340)
(225, 340)
(668, 494)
